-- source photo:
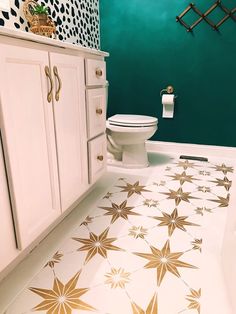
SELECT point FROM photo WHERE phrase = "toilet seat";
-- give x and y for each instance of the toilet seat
(123, 120)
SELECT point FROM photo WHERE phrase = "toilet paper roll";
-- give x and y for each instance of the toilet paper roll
(168, 99)
(168, 105)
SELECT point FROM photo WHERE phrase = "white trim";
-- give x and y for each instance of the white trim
(191, 149)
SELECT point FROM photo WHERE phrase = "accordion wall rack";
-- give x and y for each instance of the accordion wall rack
(204, 16)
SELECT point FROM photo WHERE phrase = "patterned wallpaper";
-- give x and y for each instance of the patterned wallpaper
(77, 20)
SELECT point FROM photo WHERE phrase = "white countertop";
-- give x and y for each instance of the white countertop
(48, 41)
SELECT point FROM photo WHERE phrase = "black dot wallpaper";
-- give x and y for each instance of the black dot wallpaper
(77, 21)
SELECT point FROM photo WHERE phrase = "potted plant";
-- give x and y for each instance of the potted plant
(42, 14)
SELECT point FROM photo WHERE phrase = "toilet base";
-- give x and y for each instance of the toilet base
(133, 157)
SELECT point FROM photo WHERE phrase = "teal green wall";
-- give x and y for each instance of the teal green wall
(149, 50)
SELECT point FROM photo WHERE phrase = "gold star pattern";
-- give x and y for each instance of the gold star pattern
(133, 188)
(97, 245)
(174, 221)
(164, 261)
(54, 260)
(194, 299)
(151, 309)
(108, 195)
(224, 202)
(186, 164)
(160, 183)
(179, 196)
(223, 182)
(137, 232)
(201, 210)
(197, 244)
(150, 203)
(62, 299)
(117, 278)
(204, 173)
(87, 221)
(182, 178)
(223, 168)
(204, 189)
(122, 179)
(119, 211)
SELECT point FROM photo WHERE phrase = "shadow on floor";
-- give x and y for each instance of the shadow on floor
(158, 159)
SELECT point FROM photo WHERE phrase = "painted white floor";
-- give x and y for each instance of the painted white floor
(140, 287)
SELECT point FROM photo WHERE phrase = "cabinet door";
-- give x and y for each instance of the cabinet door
(70, 124)
(8, 246)
(29, 140)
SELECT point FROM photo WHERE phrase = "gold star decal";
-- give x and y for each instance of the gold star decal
(137, 232)
(194, 298)
(223, 168)
(54, 260)
(87, 221)
(97, 245)
(186, 164)
(223, 182)
(117, 278)
(150, 203)
(163, 260)
(160, 183)
(197, 244)
(204, 173)
(224, 202)
(179, 196)
(204, 189)
(62, 299)
(119, 211)
(151, 309)
(182, 177)
(133, 188)
(174, 221)
(201, 210)
(108, 195)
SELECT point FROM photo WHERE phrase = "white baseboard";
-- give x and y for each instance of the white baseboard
(191, 149)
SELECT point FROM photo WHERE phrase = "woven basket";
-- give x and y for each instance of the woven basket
(48, 30)
(44, 30)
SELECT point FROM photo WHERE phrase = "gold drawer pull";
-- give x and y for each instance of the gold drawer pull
(48, 74)
(99, 111)
(99, 72)
(57, 94)
(100, 158)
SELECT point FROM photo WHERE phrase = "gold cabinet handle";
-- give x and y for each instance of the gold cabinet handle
(48, 74)
(99, 111)
(99, 72)
(57, 94)
(100, 158)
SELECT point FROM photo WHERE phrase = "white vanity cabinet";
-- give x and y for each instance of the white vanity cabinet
(52, 136)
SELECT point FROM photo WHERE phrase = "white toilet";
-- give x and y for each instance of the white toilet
(126, 135)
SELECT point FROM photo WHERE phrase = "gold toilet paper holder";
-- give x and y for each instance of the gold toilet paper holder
(169, 90)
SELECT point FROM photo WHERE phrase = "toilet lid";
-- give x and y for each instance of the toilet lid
(132, 120)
